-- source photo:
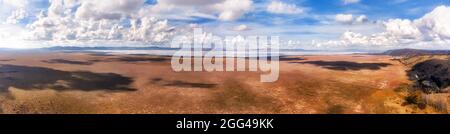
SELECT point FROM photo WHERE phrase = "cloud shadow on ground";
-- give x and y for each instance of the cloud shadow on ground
(178, 83)
(345, 65)
(141, 59)
(64, 61)
(284, 58)
(6, 60)
(32, 78)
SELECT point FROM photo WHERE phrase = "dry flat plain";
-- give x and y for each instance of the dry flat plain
(80, 82)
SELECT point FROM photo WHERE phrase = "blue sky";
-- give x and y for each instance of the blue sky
(375, 9)
(311, 24)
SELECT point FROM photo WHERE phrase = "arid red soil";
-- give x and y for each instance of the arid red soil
(62, 82)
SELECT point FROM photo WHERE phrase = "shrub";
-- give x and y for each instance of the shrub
(413, 97)
(437, 101)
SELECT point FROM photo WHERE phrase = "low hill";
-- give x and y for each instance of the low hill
(415, 52)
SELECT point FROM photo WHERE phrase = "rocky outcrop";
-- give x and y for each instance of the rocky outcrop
(431, 75)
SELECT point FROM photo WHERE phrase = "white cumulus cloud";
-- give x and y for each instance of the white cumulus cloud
(108, 9)
(436, 24)
(17, 16)
(350, 1)
(224, 10)
(15, 3)
(114, 22)
(344, 18)
(404, 29)
(361, 19)
(278, 7)
(241, 28)
(430, 31)
(233, 9)
(350, 19)
(61, 24)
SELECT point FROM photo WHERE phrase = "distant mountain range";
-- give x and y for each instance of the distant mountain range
(413, 52)
(108, 48)
(395, 52)
(74, 48)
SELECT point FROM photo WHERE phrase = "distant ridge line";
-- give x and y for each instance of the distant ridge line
(109, 48)
(413, 52)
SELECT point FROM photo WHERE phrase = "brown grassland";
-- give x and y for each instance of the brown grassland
(63, 82)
